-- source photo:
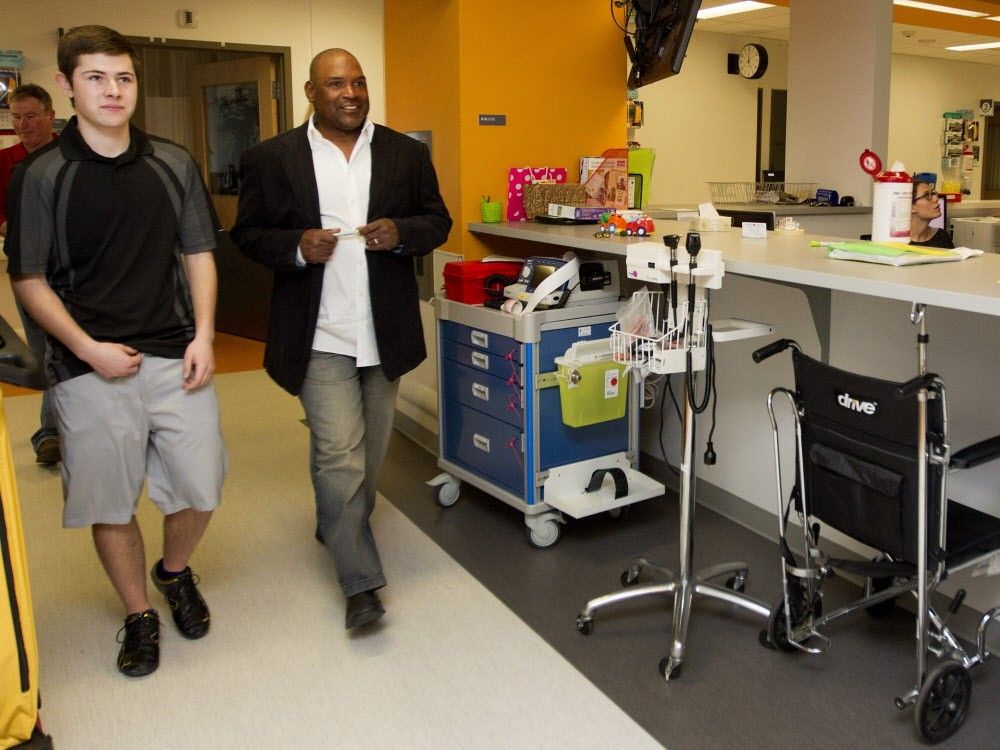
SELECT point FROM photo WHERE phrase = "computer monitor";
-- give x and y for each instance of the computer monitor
(739, 216)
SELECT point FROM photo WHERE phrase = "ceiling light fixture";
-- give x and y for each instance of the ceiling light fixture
(940, 8)
(972, 47)
(743, 6)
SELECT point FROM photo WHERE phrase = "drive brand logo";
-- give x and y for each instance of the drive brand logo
(854, 403)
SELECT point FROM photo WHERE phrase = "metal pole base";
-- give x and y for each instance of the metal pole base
(684, 593)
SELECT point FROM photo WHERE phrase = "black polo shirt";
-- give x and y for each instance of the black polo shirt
(108, 234)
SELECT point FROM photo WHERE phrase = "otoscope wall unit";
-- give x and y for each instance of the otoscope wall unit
(501, 426)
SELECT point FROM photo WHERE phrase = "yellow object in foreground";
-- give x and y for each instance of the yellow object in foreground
(881, 248)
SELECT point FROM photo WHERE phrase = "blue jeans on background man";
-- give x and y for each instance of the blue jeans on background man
(350, 411)
(45, 440)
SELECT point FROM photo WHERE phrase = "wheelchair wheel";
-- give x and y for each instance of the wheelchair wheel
(943, 703)
(777, 631)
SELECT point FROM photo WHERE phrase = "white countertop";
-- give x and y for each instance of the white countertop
(972, 285)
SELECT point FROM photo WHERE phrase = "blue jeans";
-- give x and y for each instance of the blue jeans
(35, 338)
(350, 411)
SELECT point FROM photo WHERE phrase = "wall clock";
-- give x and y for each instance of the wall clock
(753, 61)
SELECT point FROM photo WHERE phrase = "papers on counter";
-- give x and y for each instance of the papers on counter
(894, 253)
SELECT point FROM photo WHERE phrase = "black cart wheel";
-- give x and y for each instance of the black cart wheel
(944, 700)
(737, 582)
(777, 631)
(630, 576)
(664, 663)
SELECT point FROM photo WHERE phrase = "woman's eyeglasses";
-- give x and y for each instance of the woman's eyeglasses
(931, 194)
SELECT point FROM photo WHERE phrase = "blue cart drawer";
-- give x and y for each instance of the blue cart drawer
(480, 339)
(485, 445)
(478, 359)
(483, 392)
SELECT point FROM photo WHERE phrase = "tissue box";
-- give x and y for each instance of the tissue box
(711, 223)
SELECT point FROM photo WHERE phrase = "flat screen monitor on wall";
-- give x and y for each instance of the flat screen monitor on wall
(662, 30)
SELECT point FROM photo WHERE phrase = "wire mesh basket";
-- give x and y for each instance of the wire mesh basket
(731, 192)
(761, 192)
(652, 335)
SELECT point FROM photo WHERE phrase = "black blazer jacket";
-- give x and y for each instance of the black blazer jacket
(279, 201)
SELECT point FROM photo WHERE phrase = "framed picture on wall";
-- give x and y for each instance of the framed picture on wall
(972, 130)
(9, 80)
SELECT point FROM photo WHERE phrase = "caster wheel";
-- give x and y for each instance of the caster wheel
(546, 537)
(448, 494)
(585, 625)
(616, 514)
(943, 703)
(882, 609)
(737, 582)
(664, 664)
(630, 577)
(777, 631)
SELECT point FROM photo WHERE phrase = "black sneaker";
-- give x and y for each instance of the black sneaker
(140, 639)
(188, 608)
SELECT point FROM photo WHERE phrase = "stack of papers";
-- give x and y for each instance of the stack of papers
(894, 253)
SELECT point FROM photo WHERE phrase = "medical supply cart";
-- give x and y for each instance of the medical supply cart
(500, 420)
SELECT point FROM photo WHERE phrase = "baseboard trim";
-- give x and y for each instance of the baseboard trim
(416, 432)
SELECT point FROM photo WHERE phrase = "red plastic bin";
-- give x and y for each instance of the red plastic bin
(465, 280)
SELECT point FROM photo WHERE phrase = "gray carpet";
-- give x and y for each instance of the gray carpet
(733, 693)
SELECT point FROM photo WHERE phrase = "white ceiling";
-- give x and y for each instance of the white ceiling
(772, 23)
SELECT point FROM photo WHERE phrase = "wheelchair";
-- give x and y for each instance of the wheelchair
(872, 460)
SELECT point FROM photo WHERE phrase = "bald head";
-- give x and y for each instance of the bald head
(330, 54)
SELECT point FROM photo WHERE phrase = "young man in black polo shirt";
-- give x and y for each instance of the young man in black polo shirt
(109, 239)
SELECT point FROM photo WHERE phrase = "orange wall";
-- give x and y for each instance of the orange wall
(555, 69)
(422, 86)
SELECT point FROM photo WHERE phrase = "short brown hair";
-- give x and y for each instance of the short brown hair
(91, 40)
(31, 91)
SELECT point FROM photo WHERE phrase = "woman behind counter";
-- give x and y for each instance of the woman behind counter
(925, 209)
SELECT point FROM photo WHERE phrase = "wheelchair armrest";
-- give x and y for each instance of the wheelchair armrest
(976, 454)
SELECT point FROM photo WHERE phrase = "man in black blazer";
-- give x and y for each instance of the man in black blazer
(337, 208)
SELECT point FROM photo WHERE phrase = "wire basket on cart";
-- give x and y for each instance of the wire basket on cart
(654, 336)
(761, 192)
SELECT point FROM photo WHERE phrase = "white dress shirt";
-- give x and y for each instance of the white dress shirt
(345, 323)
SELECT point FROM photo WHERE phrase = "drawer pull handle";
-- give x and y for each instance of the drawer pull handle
(480, 360)
(481, 391)
(480, 442)
(480, 339)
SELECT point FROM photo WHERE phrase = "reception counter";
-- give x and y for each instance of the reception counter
(972, 285)
(842, 221)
